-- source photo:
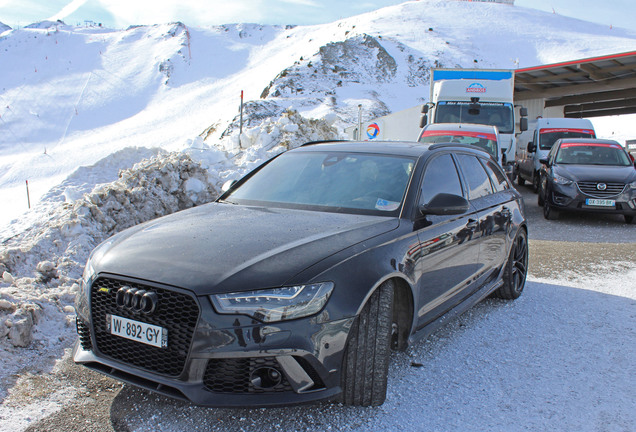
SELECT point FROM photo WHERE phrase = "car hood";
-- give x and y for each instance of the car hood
(224, 247)
(604, 173)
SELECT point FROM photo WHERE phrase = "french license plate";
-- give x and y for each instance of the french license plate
(600, 202)
(138, 331)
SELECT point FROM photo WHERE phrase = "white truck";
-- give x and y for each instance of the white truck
(546, 132)
(479, 96)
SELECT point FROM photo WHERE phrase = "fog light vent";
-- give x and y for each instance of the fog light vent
(245, 375)
(265, 378)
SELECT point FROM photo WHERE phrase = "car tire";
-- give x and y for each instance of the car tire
(365, 365)
(516, 269)
(549, 212)
(540, 199)
(520, 180)
(629, 219)
(535, 183)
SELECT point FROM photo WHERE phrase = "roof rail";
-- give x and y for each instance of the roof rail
(322, 141)
(455, 145)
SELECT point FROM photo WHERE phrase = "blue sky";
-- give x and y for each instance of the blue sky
(122, 13)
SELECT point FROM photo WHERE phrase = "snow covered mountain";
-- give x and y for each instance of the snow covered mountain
(74, 95)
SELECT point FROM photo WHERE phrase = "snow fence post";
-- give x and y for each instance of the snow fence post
(241, 121)
(28, 198)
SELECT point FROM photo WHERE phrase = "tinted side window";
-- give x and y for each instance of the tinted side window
(498, 178)
(476, 177)
(440, 177)
(552, 152)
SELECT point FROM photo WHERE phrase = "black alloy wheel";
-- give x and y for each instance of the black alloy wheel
(516, 269)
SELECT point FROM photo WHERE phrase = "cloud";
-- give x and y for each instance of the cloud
(303, 3)
(193, 12)
(67, 10)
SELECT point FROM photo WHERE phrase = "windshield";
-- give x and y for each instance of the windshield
(547, 137)
(484, 141)
(330, 181)
(592, 154)
(489, 113)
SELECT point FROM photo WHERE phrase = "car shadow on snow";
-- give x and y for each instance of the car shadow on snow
(558, 357)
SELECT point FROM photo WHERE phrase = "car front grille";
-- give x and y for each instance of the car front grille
(236, 375)
(84, 334)
(591, 189)
(177, 312)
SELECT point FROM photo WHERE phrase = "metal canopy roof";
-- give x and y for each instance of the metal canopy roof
(591, 87)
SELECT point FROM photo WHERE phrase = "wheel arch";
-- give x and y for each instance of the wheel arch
(403, 308)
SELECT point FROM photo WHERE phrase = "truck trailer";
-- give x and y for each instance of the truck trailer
(478, 96)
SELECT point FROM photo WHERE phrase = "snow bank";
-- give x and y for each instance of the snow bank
(40, 265)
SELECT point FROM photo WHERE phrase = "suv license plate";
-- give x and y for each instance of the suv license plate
(138, 331)
(600, 202)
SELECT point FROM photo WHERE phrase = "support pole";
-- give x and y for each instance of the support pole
(241, 121)
(359, 134)
(28, 198)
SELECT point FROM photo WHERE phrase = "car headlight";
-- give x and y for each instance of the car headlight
(633, 184)
(88, 274)
(89, 270)
(561, 180)
(276, 304)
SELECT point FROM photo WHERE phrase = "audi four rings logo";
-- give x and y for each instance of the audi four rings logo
(136, 300)
(601, 186)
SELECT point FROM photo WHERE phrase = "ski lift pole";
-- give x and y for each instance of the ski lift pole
(28, 198)
(359, 134)
(241, 121)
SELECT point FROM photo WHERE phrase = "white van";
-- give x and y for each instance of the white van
(547, 131)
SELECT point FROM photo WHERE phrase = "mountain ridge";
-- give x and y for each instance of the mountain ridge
(77, 94)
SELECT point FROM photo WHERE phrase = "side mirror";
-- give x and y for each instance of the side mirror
(423, 120)
(424, 109)
(523, 124)
(543, 162)
(445, 204)
(523, 112)
(531, 148)
(228, 185)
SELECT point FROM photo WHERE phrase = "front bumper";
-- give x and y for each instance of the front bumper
(229, 360)
(571, 198)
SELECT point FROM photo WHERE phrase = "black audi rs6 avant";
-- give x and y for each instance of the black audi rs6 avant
(298, 281)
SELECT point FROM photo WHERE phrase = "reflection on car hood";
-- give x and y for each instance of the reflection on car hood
(604, 173)
(225, 247)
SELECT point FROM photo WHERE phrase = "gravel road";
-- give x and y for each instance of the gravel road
(575, 245)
